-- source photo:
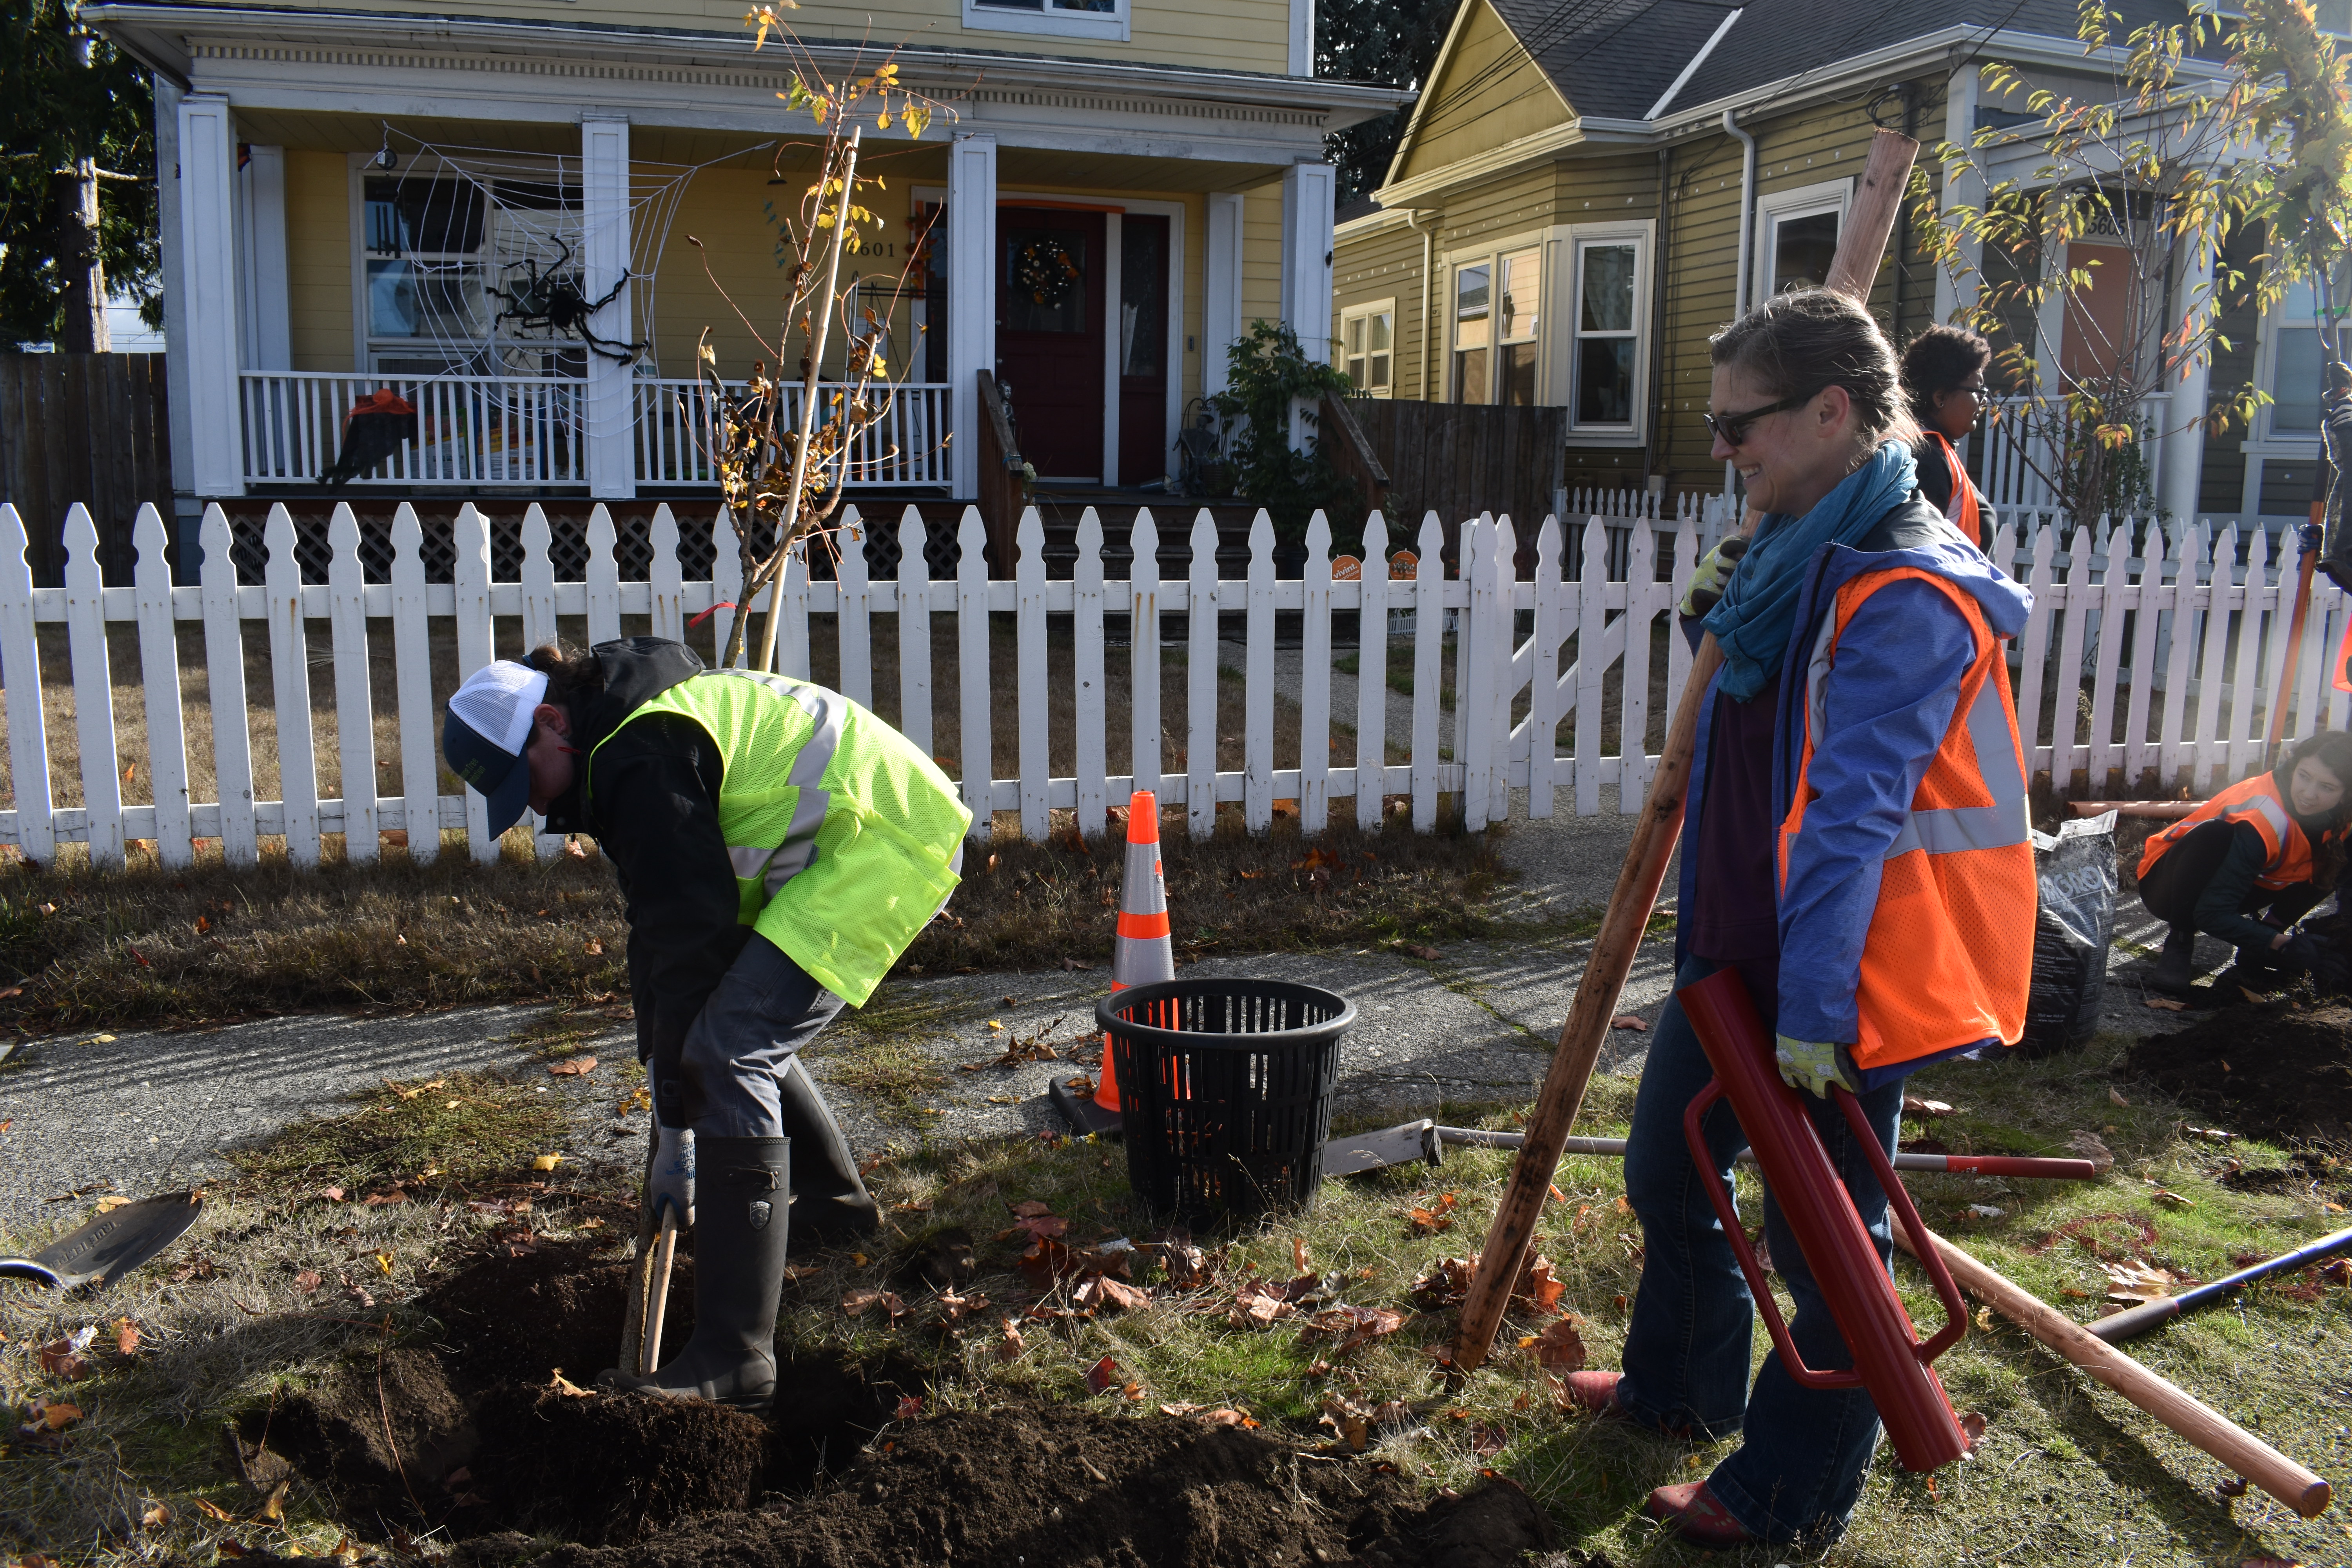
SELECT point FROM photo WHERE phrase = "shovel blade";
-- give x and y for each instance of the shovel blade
(1401, 1145)
(110, 1245)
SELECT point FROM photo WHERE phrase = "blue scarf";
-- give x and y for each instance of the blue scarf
(1759, 604)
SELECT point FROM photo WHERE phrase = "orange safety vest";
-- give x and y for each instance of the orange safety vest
(1962, 508)
(2256, 801)
(1949, 953)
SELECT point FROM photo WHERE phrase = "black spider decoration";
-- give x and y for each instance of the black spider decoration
(551, 299)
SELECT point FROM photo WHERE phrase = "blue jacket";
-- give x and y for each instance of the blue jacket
(1888, 704)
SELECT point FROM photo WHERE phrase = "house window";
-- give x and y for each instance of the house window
(1515, 328)
(1797, 236)
(1367, 342)
(444, 262)
(1608, 332)
(1473, 287)
(1070, 18)
(2295, 359)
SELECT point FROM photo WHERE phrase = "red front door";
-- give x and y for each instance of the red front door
(1049, 336)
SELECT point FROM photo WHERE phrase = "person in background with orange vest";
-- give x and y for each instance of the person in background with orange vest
(1943, 371)
(1857, 846)
(2251, 862)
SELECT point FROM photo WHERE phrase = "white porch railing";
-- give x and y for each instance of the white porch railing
(486, 431)
(907, 445)
(2015, 460)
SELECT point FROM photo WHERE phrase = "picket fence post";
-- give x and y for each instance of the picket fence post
(420, 773)
(914, 631)
(93, 685)
(20, 667)
(471, 573)
(2149, 599)
(1428, 651)
(1543, 673)
(1314, 680)
(2220, 555)
(1147, 758)
(1092, 811)
(854, 602)
(604, 577)
(289, 675)
(224, 688)
(666, 579)
(1633, 688)
(1031, 671)
(1591, 663)
(1201, 680)
(1257, 679)
(354, 707)
(1372, 677)
(159, 672)
(972, 663)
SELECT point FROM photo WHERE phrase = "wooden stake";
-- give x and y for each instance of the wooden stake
(2191, 1418)
(1878, 202)
(1860, 248)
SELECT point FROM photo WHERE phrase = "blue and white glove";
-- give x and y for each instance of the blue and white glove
(1814, 1066)
(671, 1182)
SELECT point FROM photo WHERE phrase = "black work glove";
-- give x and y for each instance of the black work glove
(2301, 955)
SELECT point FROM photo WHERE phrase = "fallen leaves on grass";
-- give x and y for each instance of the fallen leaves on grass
(1353, 1422)
(63, 1358)
(1011, 1344)
(1102, 1292)
(1350, 1328)
(858, 1303)
(1915, 1107)
(1559, 1348)
(50, 1417)
(2167, 1004)
(1973, 1425)
(1436, 1217)
(1415, 950)
(1627, 1021)
(1258, 1305)
(126, 1336)
(1538, 1288)
(910, 1406)
(1103, 1376)
(111, 1202)
(547, 1161)
(2166, 1198)
(1018, 1050)
(2131, 1283)
(2115, 1097)
(576, 1067)
(954, 1308)
(308, 1280)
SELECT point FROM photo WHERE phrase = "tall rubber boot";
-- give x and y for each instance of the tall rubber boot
(741, 1225)
(830, 1202)
(2176, 965)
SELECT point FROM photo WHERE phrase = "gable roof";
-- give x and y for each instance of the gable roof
(1611, 59)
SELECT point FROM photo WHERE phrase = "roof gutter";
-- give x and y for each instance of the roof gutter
(1691, 69)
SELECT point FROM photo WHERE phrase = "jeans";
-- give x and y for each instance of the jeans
(1799, 1468)
(739, 1051)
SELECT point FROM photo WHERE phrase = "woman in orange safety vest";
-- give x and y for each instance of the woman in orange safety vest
(1944, 372)
(2251, 862)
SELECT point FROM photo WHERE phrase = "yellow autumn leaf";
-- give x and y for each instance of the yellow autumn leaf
(383, 1262)
(111, 1202)
(547, 1161)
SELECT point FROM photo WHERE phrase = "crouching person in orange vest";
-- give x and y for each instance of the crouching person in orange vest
(1857, 846)
(2248, 864)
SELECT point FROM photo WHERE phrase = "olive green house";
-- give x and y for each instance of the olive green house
(1585, 194)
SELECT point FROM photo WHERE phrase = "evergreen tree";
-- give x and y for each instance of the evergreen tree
(1392, 42)
(77, 179)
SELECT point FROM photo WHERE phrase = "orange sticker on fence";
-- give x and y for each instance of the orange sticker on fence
(1402, 566)
(1347, 569)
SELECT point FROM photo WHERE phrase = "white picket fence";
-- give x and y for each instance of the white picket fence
(2154, 633)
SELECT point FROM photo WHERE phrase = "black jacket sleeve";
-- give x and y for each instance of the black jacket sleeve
(2219, 906)
(1935, 475)
(656, 818)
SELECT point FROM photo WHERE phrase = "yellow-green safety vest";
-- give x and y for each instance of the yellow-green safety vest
(841, 831)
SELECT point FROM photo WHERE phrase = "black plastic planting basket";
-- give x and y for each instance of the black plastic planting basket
(1224, 1090)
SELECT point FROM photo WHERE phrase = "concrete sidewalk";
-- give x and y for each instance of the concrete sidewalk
(151, 1112)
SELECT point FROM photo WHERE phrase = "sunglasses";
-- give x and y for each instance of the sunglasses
(1731, 429)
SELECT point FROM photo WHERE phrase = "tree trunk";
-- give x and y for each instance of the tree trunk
(82, 316)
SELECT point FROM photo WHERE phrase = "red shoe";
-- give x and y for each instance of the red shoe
(1697, 1517)
(1595, 1392)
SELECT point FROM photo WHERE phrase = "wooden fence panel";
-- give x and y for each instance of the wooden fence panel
(88, 429)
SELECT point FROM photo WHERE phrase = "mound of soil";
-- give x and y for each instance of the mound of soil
(377, 1437)
(1043, 1484)
(600, 1468)
(2283, 1073)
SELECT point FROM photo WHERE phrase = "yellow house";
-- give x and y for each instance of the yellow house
(1584, 195)
(518, 218)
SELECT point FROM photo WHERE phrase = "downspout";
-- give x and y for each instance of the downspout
(1746, 231)
(1428, 240)
(1652, 447)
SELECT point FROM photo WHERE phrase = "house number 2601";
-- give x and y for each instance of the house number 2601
(869, 248)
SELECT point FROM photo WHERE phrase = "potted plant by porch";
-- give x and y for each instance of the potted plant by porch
(1270, 384)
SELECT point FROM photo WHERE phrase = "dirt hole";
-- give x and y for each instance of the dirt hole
(2267, 1070)
(459, 1428)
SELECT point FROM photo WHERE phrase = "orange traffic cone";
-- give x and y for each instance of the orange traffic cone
(1141, 954)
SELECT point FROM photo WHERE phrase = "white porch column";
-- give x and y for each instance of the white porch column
(972, 296)
(208, 265)
(2182, 474)
(604, 260)
(1220, 286)
(1301, 50)
(267, 331)
(1307, 244)
(1960, 188)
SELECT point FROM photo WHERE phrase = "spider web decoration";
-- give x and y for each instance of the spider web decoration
(476, 261)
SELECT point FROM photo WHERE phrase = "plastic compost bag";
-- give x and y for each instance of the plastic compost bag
(2073, 921)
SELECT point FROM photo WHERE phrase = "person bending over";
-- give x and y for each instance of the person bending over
(2249, 863)
(1856, 847)
(778, 846)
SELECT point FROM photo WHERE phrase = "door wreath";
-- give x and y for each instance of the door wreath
(1043, 270)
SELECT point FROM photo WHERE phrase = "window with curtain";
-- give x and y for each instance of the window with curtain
(1608, 333)
(1515, 328)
